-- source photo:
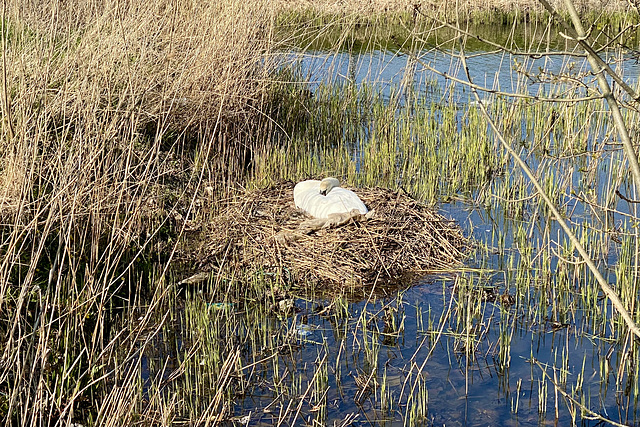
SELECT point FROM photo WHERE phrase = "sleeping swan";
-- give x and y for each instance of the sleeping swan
(322, 198)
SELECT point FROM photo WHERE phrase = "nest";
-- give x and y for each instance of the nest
(402, 238)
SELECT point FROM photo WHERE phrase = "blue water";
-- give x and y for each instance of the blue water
(394, 347)
(491, 71)
(508, 378)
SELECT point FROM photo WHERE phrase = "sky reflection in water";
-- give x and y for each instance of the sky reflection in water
(478, 393)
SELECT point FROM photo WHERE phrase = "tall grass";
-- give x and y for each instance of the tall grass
(367, 6)
(123, 119)
(502, 12)
(113, 110)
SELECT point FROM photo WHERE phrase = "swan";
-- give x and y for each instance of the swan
(323, 198)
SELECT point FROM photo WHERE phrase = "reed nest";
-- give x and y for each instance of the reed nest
(403, 238)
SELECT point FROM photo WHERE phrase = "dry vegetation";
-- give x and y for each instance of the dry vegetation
(402, 238)
(109, 101)
(114, 112)
(447, 7)
(110, 109)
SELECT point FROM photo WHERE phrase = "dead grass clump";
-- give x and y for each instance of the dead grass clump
(105, 105)
(403, 238)
(92, 86)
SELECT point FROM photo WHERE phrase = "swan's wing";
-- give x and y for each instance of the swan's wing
(303, 190)
(315, 204)
(340, 200)
(307, 197)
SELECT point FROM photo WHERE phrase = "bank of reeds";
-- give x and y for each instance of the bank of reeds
(475, 11)
(112, 112)
(382, 6)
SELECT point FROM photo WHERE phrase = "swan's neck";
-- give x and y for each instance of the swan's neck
(327, 184)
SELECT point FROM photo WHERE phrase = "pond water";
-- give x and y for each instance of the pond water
(518, 352)
(494, 71)
(484, 345)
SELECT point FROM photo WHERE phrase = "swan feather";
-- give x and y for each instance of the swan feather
(323, 198)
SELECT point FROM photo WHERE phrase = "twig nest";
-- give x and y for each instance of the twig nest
(263, 231)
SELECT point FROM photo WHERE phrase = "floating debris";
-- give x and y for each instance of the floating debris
(304, 330)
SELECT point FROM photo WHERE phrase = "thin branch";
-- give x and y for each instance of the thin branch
(596, 62)
(608, 290)
(578, 35)
(534, 55)
(625, 198)
(498, 92)
(572, 35)
(616, 37)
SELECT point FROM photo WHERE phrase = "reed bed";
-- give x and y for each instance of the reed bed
(402, 239)
(381, 6)
(111, 112)
(381, 12)
(114, 114)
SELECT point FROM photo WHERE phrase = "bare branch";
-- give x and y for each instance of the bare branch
(501, 93)
(608, 290)
(533, 55)
(616, 37)
(592, 55)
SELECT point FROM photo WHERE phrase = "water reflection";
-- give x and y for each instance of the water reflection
(389, 71)
(519, 351)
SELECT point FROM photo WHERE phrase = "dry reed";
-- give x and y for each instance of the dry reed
(100, 88)
(447, 8)
(109, 109)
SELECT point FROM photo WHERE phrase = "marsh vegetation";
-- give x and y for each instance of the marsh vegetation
(130, 128)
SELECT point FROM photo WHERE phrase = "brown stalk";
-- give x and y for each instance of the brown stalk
(6, 105)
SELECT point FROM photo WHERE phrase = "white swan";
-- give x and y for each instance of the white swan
(322, 198)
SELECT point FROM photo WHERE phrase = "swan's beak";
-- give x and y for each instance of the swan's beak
(323, 192)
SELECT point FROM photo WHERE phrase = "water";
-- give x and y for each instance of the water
(491, 71)
(482, 346)
(507, 379)
(462, 391)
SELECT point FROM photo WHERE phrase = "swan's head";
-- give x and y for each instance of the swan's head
(327, 184)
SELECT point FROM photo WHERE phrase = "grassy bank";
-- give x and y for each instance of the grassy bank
(358, 27)
(478, 11)
(382, 6)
